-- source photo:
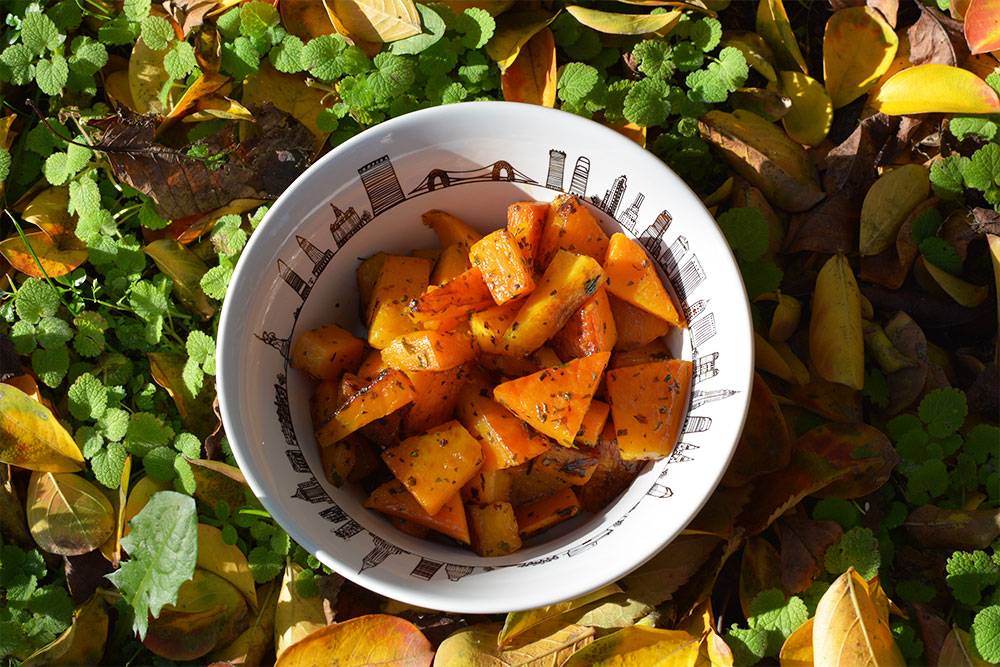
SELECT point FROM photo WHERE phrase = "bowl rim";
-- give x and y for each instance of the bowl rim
(230, 333)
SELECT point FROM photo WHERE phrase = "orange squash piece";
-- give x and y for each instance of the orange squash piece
(547, 511)
(324, 401)
(593, 423)
(632, 277)
(525, 221)
(436, 394)
(611, 475)
(493, 529)
(648, 403)
(530, 484)
(570, 226)
(409, 527)
(450, 230)
(590, 329)
(488, 326)
(453, 262)
(655, 351)
(488, 486)
(367, 460)
(367, 274)
(430, 351)
(466, 294)
(506, 440)
(338, 460)
(568, 281)
(545, 357)
(504, 269)
(511, 367)
(371, 365)
(435, 465)
(573, 466)
(432, 255)
(393, 499)
(327, 352)
(388, 392)
(401, 280)
(635, 326)
(554, 400)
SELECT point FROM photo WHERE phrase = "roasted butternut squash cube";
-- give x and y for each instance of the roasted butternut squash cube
(506, 440)
(493, 529)
(655, 351)
(525, 221)
(554, 400)
(488, 486)
(593, 423)
(531, 483)
(371, 365)
(388, 392)
(393, 499)
(611, 475)
(367, 274)
(401, 280)
(488, 326)
(573, 466)
(512, 367)
(432, 255)
(590, 329)
(568, 281)
(435, 465)
(504, 269)
(409, 527)
(545, 357)
(386, 431)
(453, 262)
(327, 352)
(570, 226)
(449, 229)
(430, 351)
(648, 403)
(632, 277)
(466, 294)
(547, 511)
(635, 326)
(338, 460)
(324, 401)
(367, 460)
(436, 394)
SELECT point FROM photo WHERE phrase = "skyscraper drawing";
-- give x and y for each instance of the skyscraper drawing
(700, 398)
(345, 225)
(654, 233)
(379, 553)
(695, 309)
(694, 424)
(294, 280)
(691, 276)
(557, 165)
(672, 255)
(381, 184)
(703, 329)
(704, 367)
(319, 258)
(426, 569)
(613, 197)
(631, 214)
(578, 185)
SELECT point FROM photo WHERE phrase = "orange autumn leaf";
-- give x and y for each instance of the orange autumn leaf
(374, 639)
(54, 261)
(982, 26)
(532, 76)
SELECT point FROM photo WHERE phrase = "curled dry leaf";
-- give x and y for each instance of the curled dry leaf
(982, 31)
(836, 344)
(888, 204)
(933, 629)
(797, 651)
(787, 316)
(196, 410)
(811, 114)
(376, 639)
(12, 520)
(940, 528)
(862, 453)
(251, 647)
(767, 104)
(82, 643)
(891, 266)
(756, 51)
(296, 617)
(625, 24)
(513, 31)
(377, 20)
(639, 645)
(548, 643)
(305, 18)
(963, 293)
(764, 444)
(858, 47)
(830, 399)
(288, 93)
(929, 42)
(53, 259)
(956, 651)
(885, 354)
(32, 438)
(935, 88)
(760, 570)
(774, 27)
(185, 269)
(828, 228)
(532, 76)
(848, 629)
(803, 550)
(519, 622)
(765, 156)
(67, 515)
(226, 561)
(49, 211)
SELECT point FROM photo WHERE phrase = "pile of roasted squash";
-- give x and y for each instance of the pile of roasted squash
(509, 381)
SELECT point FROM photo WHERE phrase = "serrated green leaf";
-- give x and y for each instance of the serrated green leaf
(288, 55)
(50, 365)
(39, 34)
(434, 28)
(476, 27)
(943, 411)
(87, 397)
(159, 464)
(575, 81)
(858, 548)
(51, 74)
(89, 56)
(394, 77)
(52, 332)
(146, 432)
(113, 424)
(256, 18)
(136, 10)
(985, 633)
(653, 57)
(770, 612)
(157, 32)
(180, 60)
(319, 56)
(35, 299)
(216, 280)
(18, 58)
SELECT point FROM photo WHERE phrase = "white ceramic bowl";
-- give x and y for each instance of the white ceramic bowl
(472, 160)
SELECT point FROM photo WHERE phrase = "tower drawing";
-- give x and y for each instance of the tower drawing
(659, 491)
(691, 276)
(702, 330)
(319, 258)
(672, 256)
(704, 367)
(631, 214)
(297, 459)
(700, 398)
(613, 197)
(694, 424)
(578, 184)
(282, 345)
(348, 530)
(311, 491)
(653, 234)
(301, 287)
(378, 554)
(334, 514)
(426, 569)
(456, 572)
(557, 165)
(677, 457)
(284, 412)
(345, 225)
(381, 184)
(695, 309)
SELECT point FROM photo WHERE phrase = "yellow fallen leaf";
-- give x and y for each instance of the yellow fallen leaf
(217, 106)
(143, 490)
(639, 646)
(636, 133)
(848, 629)
(836, 343)
(56, 258)
(251, 646)
(808, 120)
(549, 643)
(774, 27)
(787, 316)
(797, 651)
(289, 93)
(955, 651)
(624, 24)
(800, 374)
(49, 211)
(295, 616)
(305, 18)
(888, 203)
(531, 78)
(756, 51)
(146, 78)
(378, 20)
(67, 515)
(994, 242)
(934, 88)
(858, 48)
(185, 269)
(377, 639)
(513, 31)
(518, 622)
(717, 651)
(32, 438)
(225, 560)
(82, 643)
(767, 359)
(964, 293)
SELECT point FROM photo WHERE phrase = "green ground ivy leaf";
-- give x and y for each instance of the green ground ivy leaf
(654, 58)
(319, 56)
(749, 645)
(434, 27)
(857, 547)
(476, 27)
(969, 574)
(157, 32)
(162, 548)
(575, 81)
(40, 34)
(985, 634)
(108, 463)
(88, 398)
(136, 10)
(18, 59)
(50, 365)
(778, 617)
(256, 18)
(943, 411)
(288, 55)
(180, 60)
(52, 332)
(646, 102)
(51, 74)
(89, 56)
(35, 299)
(946, 176)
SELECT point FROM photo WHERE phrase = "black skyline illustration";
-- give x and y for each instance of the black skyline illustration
(312, 491)
(695, 309)
(613, 196)
(348, 530)
(557, 165)
(581, 172)
(346, 224)
(334, 514)
(381, 184)
(297, 460)
(501, 170)
(631, 214)
(652, 236)
(426, 569)
(284, 411)
(702, 330)
(380, 551)
(704, 367)
(659, 491)
(700, 398)
(691, 275)
(282, 345)
(696, 424)
(672, 255)
(456, 572)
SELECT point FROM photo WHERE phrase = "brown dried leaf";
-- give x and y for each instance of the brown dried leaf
(956, 651)
(251, 647)
(933, 630)
(760, 570)
(863, 453)
(803, 549)
(830, 399)
(829, 228)
(288, 93)
(764, 444)
(891, 266)
(196, 411)
(936, 527)
(305, 18)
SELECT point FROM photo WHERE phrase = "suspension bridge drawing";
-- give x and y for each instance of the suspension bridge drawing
(501, 170)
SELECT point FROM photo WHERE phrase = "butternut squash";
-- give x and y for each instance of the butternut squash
(547, 511)
(488, 326)
(393, 499)
(453, 262)
(525, 221)
(436, 394)
(504, 268)
(635, 326)
(590, 329)
(488, 486)
(467, 293)
(429, 351)
(573, 466)
(611, 475)
(593, 423)
(327, 352)
(388, 392)
(632, 278)
(493, 529)
(449, 229)
(648, 403)
(570, 226)
(400, 280)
